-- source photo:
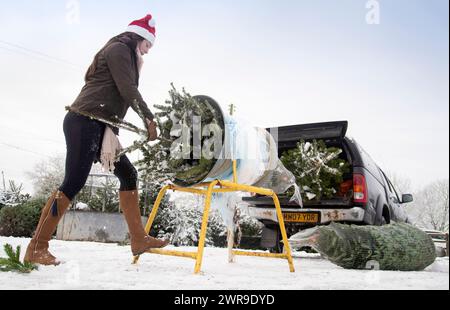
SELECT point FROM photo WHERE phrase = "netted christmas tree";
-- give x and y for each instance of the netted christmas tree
(397, 246)
(317, 168)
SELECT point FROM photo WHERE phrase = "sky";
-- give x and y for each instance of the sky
(280, 62)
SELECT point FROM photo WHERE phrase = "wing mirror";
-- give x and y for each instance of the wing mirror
(407, 198)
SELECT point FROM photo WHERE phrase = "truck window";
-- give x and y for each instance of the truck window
(391, 188)
(394, 191)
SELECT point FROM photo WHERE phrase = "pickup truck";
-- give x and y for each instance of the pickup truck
(373, 199)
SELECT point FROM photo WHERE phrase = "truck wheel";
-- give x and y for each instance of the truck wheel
(385, 218)
(278, 249)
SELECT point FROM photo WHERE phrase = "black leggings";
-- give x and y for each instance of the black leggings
(84, 138)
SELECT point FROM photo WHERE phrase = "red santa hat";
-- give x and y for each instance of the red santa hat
(144, 27)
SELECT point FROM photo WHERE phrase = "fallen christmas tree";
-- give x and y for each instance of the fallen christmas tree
(13, 263)
(400, 246)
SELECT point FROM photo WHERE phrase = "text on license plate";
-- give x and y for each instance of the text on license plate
(301, 217)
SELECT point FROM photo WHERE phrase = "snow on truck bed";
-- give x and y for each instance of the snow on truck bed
(90, 265)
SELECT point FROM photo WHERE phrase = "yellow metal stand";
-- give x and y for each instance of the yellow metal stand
(218, 187)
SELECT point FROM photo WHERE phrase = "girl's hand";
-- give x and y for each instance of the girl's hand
(152, 133)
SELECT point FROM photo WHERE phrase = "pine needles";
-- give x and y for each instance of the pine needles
(13, 263)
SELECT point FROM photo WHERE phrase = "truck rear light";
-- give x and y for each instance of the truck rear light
(359, 189)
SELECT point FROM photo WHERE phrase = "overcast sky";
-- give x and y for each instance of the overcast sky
(281, 62)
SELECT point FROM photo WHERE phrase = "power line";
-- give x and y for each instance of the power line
(23, 150)
(27, 51)
(34, 138)
(30, 135)
(37, 57)
(37, 53)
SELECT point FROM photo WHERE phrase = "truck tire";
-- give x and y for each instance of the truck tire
(278, 249)
(385, 217)
(270, 237)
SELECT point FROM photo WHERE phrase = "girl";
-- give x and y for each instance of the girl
(111, 89)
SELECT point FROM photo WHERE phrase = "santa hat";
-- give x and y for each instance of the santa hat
(144, 27)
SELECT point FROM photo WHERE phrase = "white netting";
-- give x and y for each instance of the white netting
(256, 154)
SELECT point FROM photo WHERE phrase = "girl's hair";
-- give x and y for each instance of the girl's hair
(129, 38)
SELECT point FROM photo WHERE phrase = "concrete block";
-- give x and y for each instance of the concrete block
(93, 226)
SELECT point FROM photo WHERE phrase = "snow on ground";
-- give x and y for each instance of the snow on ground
(108, 266)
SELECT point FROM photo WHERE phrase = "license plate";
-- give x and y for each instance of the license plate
(297, 217)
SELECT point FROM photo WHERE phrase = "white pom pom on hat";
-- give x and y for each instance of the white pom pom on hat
(152, 23)
(145, 27)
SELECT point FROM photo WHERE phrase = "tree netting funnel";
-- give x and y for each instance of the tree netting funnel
(242, 157)
(253, 148)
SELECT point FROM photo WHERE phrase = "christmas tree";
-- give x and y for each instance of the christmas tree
(317, 168)
(12, 196)
(390, 247)
(186, 124)
(178, 155)
(190, 142)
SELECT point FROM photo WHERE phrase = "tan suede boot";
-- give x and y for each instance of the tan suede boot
(37, 251)
(140, 241)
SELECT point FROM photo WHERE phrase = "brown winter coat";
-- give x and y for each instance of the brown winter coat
(113, 86)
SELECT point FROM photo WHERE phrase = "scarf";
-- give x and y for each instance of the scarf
(139, 60)
(111, 147)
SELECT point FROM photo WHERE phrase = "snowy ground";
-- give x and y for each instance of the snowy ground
(108, 266)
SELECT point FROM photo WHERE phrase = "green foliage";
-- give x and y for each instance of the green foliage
(217, 231)
(179, 224)
(13, 263)
(162, 225)
(21, 220)
(172, 158)
(317, 168)
(250, 227)
(182, 225)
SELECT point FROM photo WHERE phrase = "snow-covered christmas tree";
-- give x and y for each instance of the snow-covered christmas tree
(12, 196)
(317, 168)
(177, 155)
